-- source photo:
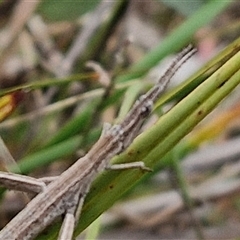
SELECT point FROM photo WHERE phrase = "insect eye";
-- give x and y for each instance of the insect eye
(147, 108)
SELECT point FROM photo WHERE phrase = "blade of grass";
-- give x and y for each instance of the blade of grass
(196, 116)
(177, 39)
(48, 83)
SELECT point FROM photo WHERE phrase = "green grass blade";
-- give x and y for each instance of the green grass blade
(48, 83)
(178, 39)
